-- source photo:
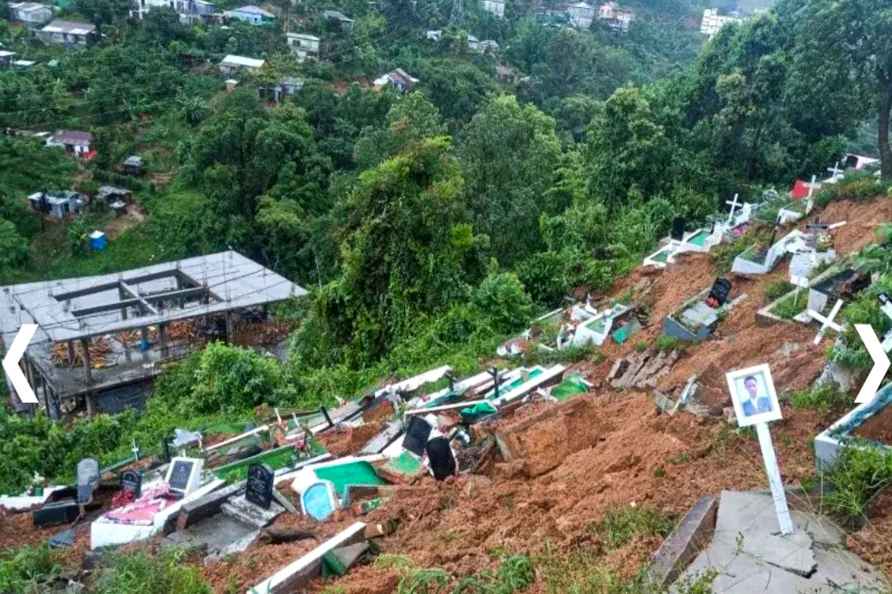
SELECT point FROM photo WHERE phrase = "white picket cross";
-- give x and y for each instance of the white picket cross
(733, 205)
(826, 322)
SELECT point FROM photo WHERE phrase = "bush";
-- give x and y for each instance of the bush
(669, 343)
(502, 300)
(142, 573)
(28, 569)
(861, 185)
(858, 474)
(791, 306)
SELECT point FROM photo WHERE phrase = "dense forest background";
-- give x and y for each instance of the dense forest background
(430, 225)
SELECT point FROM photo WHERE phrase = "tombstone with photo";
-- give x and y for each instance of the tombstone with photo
(260, 484)
(756, 404)
(131, 482)
(184, 475)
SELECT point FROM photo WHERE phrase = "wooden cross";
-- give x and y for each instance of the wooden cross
(826, 322)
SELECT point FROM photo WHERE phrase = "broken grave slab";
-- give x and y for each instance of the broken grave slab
(218, 535)
(243, 510)
(692, 534)
(749, 556)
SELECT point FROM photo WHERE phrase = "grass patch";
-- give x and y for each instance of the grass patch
(857, 476)
(791, 306)
(28, 570)
(620, 526)
(777, 289)
(826, 398)
(669, 343)
(143, 573)
(514, 574)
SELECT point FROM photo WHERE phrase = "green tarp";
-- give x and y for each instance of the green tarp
(571, 386)
(351, 473)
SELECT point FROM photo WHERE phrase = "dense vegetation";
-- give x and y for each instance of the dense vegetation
(428, 225)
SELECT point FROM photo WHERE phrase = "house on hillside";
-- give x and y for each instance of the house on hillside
(232, 64)
(287, 87)
(76, 142)
(581, 15)
(399, 79)
(713, 22)
(67, 33)
(495, 7)
(303, 46)
(333, 16)
(132, 165)
(31, 14)
(251, 14)
(57, 205)
(190, 11)
(616, 18)
(117, 199)
(6, 58)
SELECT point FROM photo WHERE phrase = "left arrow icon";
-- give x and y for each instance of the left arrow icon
(11, 364)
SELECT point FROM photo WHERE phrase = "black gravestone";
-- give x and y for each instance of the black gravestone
(441, 458)
(131, 481)
(179, 476)
(718, 294)
(417, 434)
(884, 298)
(678, 224)
(259, 487)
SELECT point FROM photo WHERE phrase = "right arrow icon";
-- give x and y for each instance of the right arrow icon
(880, 363)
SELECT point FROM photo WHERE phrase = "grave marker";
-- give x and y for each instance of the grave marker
(131, 482)
(417, 433)
(719, 293)
(678, 225)
(259, 487)
(826, 322)
(755, 403)
(733, 204)
(184, 475)
(87, 477)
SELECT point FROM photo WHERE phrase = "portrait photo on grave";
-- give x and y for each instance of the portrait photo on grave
(753, 394)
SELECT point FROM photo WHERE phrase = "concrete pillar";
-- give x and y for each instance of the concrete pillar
(162, 339)
(121, 297)
(88, 374)
(71, 353)
(229, 327)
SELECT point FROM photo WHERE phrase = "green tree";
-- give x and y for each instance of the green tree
(13, 247)
(509, 157)
(410, 120)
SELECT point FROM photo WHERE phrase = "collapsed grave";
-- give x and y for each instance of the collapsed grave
(580, 325)
(847, 431)
(762, 258)
(699, 316)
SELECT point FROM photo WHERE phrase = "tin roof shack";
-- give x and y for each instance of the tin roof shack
(399, 79)
(67, 33)
(232, 64)
(57, 205)
(286, 87)
(102, 339)
(303, 46)
(6, 58)
(30, 14)
(132, 165)
(698, 317)
(76, 142)
(251, 14)
(341, 19)
(117, 199)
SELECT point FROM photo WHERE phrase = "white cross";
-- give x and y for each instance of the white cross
(814, 185)
(826, 322)
(733, 208)
(835, 170)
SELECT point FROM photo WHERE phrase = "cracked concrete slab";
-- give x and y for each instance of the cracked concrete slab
(750, 556)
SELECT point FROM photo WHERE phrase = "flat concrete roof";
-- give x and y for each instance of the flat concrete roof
(75, 308)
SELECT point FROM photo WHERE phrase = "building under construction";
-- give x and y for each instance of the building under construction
(102, 339)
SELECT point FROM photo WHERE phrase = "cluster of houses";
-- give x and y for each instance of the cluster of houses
(579, 15)
(713, 22)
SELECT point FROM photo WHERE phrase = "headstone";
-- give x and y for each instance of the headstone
(87, 477)
(719, 293)
(259, 488)
(131, 481)
(184, 475)
(441, 458)
(58, 512)
(417, 434)
(678, 225)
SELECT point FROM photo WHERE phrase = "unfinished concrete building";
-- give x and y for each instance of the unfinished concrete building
(102, 339)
